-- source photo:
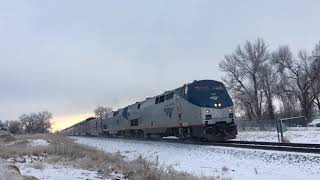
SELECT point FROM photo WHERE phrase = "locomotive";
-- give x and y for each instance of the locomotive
(199, 110)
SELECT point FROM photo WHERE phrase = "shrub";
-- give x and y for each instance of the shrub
(7, 138)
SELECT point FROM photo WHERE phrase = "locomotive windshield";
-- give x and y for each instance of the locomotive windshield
(207, 93)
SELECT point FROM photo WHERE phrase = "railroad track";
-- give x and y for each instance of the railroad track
(274, 146)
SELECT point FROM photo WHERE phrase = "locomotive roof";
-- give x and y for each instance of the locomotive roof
(78, 123)
(194, 82)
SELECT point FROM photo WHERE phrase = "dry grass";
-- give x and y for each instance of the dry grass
(7, 138)
(65, 150)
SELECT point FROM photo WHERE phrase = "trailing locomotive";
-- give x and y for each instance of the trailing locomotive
(201, 109)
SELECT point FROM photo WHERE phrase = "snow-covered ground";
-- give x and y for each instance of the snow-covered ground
(38, 142)
(45, 171)
(35, 166)
(294, 135)
(234, 163)
(38, 166)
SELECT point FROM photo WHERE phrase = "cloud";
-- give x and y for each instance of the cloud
(68, 57)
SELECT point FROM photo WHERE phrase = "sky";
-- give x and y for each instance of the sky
(67, 57)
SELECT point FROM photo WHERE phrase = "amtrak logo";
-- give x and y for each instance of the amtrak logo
(168, 111)
(213, 96)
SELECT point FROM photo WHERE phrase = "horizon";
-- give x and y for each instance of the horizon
(69, 57)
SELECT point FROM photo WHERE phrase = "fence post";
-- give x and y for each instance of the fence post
(277, 124)
(281, 131)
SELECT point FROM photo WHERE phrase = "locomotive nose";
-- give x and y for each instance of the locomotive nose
(218, 124)
(212, 116)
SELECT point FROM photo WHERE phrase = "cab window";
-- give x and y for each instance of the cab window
(161, 99)
(169, 96)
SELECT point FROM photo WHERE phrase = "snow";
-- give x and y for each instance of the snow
(35, 166)
(234, 163)
(57, 172)
(315, 122)
(38, 142)
(294, 135)
(170, 137)
(38, 166)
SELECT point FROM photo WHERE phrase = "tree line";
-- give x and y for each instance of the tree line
(258, 78)
(30, 123)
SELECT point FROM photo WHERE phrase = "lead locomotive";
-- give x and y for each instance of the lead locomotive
(200, 110)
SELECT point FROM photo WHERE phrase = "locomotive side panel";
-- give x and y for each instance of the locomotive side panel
(159, 115)
(93, 127)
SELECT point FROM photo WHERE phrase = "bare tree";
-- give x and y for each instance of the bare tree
(36, 122)
(288, 100)
(257, 78)
(269, 81)
(243, 76)
(101, 112)
(27, 122)
(315, 92)
(316, 86)
(15, 127)
(298, 77)
(3, 126)
(43, 121)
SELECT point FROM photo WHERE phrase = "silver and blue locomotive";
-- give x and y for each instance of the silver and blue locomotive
(199, 110)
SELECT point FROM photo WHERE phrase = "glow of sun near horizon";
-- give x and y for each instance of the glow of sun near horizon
(60, 123)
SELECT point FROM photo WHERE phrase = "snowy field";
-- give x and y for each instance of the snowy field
(294, 135)
(45, 171)
(230, 163)
(35, 165)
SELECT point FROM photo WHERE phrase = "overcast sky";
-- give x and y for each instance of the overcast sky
(69, 56)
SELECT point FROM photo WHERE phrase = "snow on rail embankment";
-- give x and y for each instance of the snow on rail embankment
(214, 161)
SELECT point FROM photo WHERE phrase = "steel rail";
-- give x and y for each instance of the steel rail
(273, 146)
(306, 145)
(288, 147)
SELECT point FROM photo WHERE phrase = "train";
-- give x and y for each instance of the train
(200, 110)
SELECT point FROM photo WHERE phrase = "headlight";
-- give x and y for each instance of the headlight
(215, 105)
(219, 105)
(230, 110)
(208, 111)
